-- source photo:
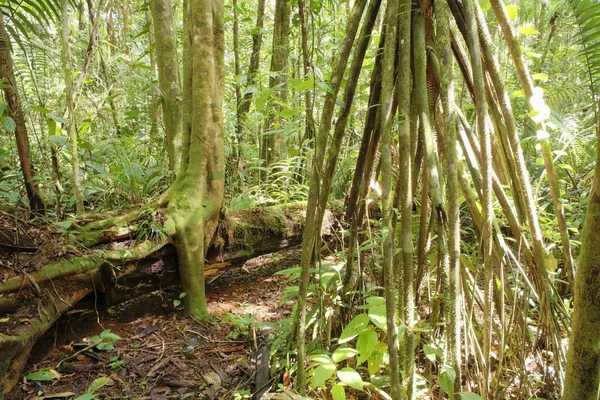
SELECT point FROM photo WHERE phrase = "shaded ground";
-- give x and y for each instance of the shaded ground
(161, 353)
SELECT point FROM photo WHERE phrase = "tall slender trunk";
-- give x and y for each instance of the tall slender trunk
(486, 173)
(272, 146)
(257, 34)
(313, 223)
(387, 225)
(69, 95)
(15, 111)
(168, 79)
(154, 98)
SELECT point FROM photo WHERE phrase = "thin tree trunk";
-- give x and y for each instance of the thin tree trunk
(313, 224)
(257, 34)
(154, 98)
(387, 225)
(15, 111)
(405, 271)
(486, 172)
(70, 98)
(272, 146)
(454, 304)
(168, 79)
(527, 83)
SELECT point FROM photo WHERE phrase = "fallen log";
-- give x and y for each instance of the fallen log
(31, 303)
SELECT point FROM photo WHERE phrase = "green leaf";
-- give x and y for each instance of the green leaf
(447, 380)
(378, 358)
(354, 328)
(377, 314)
(40, 109)
(10, 124)
(58, 140)
(429, 353)
(322, 373)
(106, 334)
(338, 392)
(540, 77)
(98, 383)
(469, 396)
(366, 343)
(343, 354)
(60, 120)
(350, 377)
(321, 358)
(3, 105)
(43, 375)
(87, 396)
(527, 30)
(512, 12)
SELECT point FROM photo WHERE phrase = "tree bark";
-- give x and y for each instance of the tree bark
(15, 111)
(272, 146)
(583, 358)
(168, 79)
(196, 197)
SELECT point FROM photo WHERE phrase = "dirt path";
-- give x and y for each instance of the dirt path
(161, 354)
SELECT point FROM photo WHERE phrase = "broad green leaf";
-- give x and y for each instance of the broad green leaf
(60, 120)
(377, 314)
(527, 30)
(354, 328)
(87, 396)
(338, 392)
(343, 354)
(469, 396)
(321, 358)
(41, 109)
(378, 358)
(107, 334)
(10, 124)
(366, 343)
(43, 375)
(540, 77)
(429, 353)
(3, 105)
(98, 383)
(447, 380)
(322, 373)
(512, 12)
(58, 140)
(350, 377)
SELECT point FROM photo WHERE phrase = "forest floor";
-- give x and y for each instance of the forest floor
(160, 353)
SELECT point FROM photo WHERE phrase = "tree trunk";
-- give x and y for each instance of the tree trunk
(196, 197)
(15, 112)
(168, 79)
(272, 146)
(151, 53)
(257, 33)
(69, 95)
(583, 358)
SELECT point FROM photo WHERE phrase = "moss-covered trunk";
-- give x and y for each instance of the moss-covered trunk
(583, 359)
(196, 197)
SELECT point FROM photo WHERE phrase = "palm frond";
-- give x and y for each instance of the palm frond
(587, 14)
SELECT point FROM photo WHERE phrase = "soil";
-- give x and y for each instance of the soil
(158, 352)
